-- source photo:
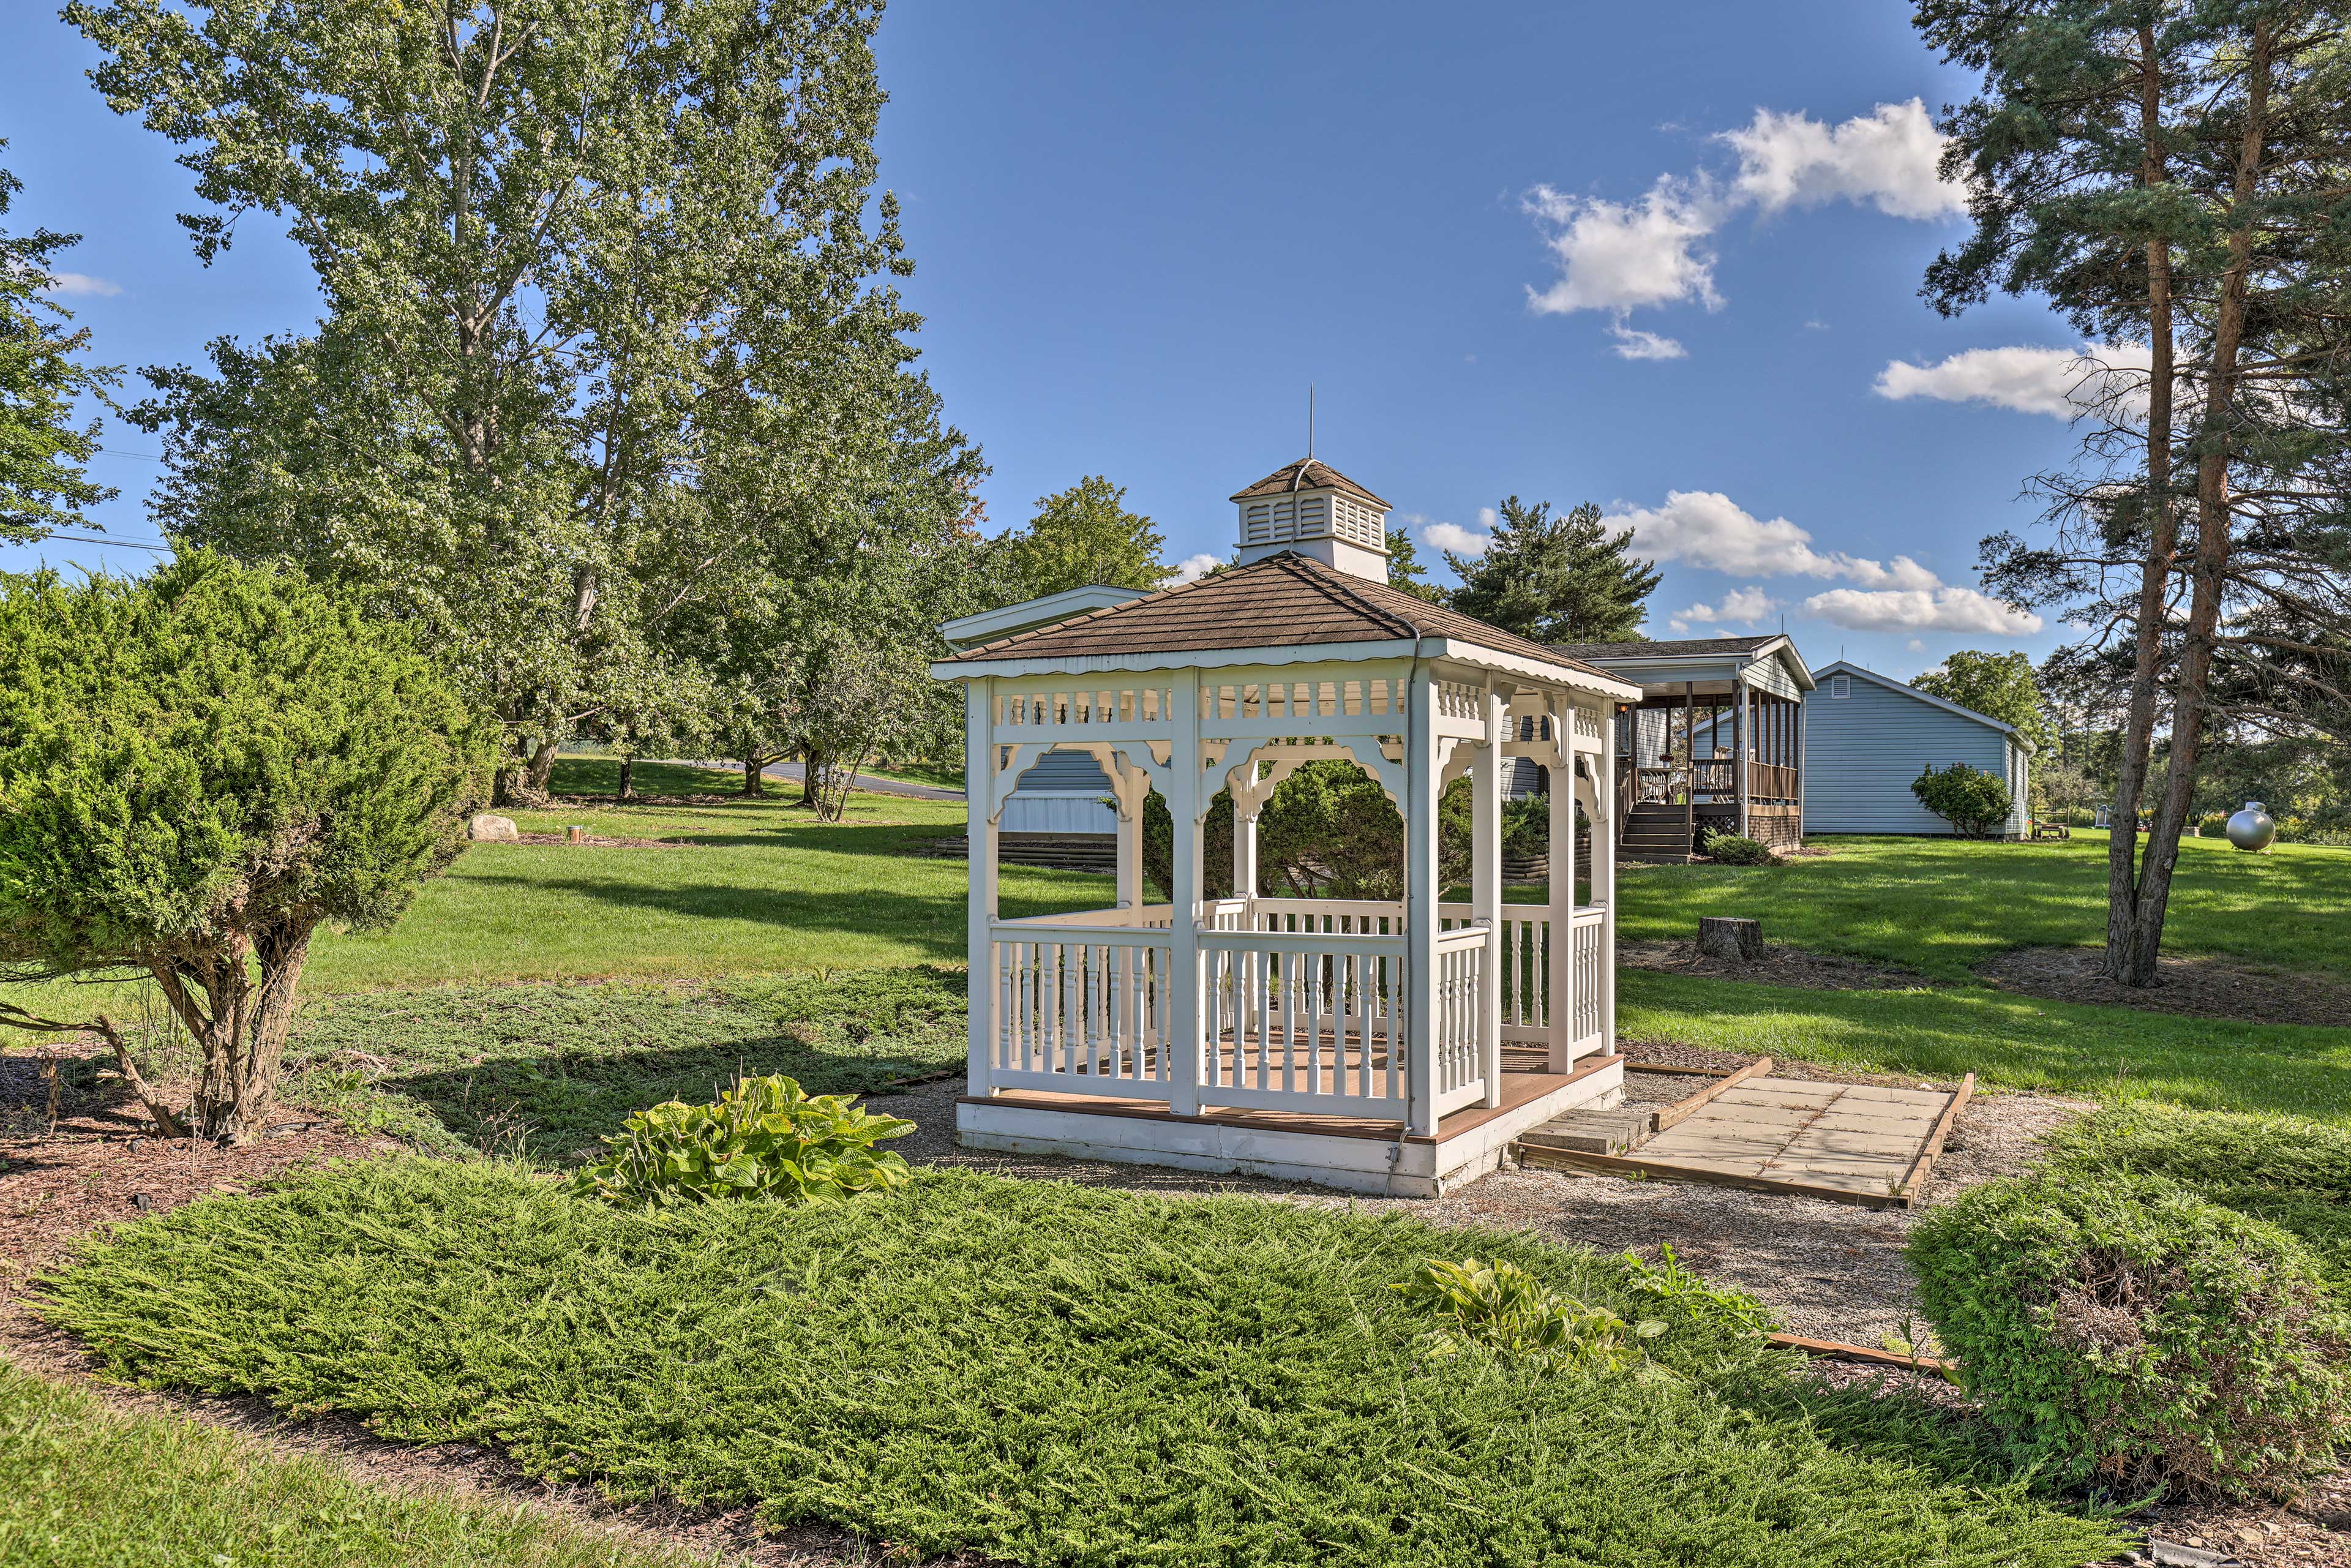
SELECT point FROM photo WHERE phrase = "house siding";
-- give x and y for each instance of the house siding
(1862, 752)
(1062, 792)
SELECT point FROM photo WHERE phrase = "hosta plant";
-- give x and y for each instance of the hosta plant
(763, 1138)
(1499, 1307)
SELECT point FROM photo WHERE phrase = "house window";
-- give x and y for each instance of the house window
(1840, 685)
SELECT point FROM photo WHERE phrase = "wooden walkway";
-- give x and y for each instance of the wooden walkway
(1854, 1143)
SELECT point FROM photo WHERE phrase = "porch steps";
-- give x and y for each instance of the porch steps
(1589, 1130)
(1091, 851)
(1657, 835)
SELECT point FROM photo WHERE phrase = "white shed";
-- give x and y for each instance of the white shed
(1867, 737)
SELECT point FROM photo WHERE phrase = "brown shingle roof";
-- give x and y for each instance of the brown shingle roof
(1307, 474)
(1284, 600)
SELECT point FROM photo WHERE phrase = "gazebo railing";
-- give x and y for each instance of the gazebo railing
(1460, 960)
(1081, 1004)
(1305, 1021)
(1301, 1002)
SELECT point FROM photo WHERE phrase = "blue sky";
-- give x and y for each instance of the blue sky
(1662, 258)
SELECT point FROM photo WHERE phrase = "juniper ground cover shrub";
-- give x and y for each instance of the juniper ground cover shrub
(2123, 1332)
(1038, 1372)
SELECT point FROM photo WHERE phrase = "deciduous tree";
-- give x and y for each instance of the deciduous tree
(1085, 535)
(1997, 685)
(563, 247)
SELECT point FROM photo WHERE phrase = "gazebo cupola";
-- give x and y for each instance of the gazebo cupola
(1312, 509)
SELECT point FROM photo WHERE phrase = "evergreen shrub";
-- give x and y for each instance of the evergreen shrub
(2121, 1331)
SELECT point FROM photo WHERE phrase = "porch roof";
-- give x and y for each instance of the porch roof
(1285, 600)
(1713, 664)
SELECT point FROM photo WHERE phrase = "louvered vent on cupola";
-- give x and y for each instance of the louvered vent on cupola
(1313, 510)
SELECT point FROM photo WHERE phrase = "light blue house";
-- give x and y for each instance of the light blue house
(1867, 737)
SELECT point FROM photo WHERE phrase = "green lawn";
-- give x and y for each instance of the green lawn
(1039, 1373)
(85, 1486)
(763, 890)
(542, 1071)
(1943, 905)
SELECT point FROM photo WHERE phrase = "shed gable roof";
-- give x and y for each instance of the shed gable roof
(1848, 667)
(1284, 600)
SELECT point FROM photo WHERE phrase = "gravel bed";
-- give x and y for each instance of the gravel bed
(1829, 1271)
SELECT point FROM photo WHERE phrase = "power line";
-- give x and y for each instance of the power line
(89, 539)
(118, 452)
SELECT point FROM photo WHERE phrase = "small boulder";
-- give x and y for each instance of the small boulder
(486, 829)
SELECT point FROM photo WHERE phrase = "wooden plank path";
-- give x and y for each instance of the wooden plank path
(1853, 1142)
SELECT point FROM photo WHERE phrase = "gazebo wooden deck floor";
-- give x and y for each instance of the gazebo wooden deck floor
(1524, 1081)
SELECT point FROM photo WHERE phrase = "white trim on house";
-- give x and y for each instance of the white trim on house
(990, 625)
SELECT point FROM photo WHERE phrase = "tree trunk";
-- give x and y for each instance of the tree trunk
(628, 766)
(812, 764)
(2208, 573)
(2163, 542)
(542, 767)
(755, 776)
(239, 1027)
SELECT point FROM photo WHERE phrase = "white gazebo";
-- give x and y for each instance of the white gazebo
(1382, 1046)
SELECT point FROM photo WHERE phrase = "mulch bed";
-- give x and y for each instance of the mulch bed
(597, 841)
(2198, 987)
(103, 1163)
(1780, 966)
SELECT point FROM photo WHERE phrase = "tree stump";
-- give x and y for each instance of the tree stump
(1739, 941)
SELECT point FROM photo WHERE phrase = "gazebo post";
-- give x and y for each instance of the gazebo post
(1603, 887)
(1131, 790)
(1420, 897)
(1245, 812)
(1486, 891)
(980, 816)
(1559, 1004)
(1188, 981)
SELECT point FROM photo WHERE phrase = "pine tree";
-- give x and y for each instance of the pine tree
(1556, 579)
(1406, 574)
(2165, 173)
(42, 481)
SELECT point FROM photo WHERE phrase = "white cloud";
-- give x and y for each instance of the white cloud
(2060, 382)
(1619, 256)
(1887, 158)
(1193, 568)
(1915, 645)
(1707, 528)
(1634, 344)
(1744, 606)
(1489, 519)
(1943, 609)
(80, 283)
(1459, 541)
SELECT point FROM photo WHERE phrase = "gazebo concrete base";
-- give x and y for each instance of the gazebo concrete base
(1353, 1154)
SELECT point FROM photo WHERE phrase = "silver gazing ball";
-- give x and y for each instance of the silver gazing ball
(2253, 827)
